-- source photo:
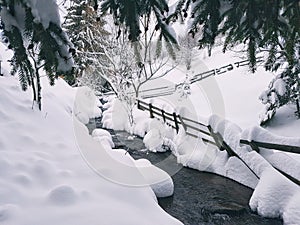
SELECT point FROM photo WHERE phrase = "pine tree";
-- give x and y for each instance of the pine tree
(86, 31)
(129, 13)
(38, 43)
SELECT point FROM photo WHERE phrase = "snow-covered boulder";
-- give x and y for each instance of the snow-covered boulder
(160, 182)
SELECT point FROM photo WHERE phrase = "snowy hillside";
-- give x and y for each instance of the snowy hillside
(233, 95)
(44, 177)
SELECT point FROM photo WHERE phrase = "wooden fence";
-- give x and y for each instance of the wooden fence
(175, 121)
(221, 70)
(206, 133)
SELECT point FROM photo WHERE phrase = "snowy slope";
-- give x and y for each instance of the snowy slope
(233, 95)
(44, 177)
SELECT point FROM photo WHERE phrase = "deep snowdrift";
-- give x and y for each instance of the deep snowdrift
(44, 177)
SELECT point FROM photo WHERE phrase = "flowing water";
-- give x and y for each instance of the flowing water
(199, 197)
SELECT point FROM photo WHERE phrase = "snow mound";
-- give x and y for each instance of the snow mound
(291, 214)
(86, 105)
(153, 140)
(100, 133)
(272, 195)
(103, 136)
(160, 182)
(229, 131)
(62, 195)
(105, 140)
(117, 117)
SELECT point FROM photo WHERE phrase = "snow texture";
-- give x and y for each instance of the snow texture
(160, 182)
(280, 86)
(44, 178)
(272, 197)
(44, 11)
(86, 105)
(262, 135)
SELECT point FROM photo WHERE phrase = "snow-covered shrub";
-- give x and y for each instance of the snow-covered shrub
(282, 90)
(159, 137)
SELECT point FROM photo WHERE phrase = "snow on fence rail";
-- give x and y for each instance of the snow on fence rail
(208, 135)
(220, 70)
(174, 120)
(255, 145)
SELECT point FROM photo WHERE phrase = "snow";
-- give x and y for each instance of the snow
(272, 195)
(98, 132)
(284, 122)
(44, 176)
(262, 135)
(76, 178)
(291, 214)
(157, 136)
(153, 140)
(160, 182)
(258, 174)
(229, 131)
(103, 137)
(117, 117)
(44, 11)
(280, 86)
(86, 105)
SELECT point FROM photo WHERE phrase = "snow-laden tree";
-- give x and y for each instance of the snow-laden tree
(86, 30)
(283, 89)
(130, 12)
(130, 65)
(33, 31)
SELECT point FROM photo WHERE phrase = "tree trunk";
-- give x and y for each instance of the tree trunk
(39, 90)
(298, 108)
(33, 89)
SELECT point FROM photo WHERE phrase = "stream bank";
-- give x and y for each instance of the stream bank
(199, 197)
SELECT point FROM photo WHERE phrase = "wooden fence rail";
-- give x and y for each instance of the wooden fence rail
(207, 134)
(175, 121)
(255, 145)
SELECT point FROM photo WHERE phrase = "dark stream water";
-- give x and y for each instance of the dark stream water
(199, 197)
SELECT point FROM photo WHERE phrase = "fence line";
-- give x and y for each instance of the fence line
(207, 134)
(171, 89)
(220, 70)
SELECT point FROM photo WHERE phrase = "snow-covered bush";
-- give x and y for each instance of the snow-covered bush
(283, 89)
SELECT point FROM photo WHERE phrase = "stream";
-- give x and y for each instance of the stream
(199, 198)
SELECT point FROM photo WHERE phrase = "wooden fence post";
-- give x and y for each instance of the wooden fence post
(151, 111)
(138, 104)
(176, 122)
(163, 115)
(182, 123)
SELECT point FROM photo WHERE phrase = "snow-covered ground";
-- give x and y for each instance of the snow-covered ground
(53, 172)
(233, 95)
